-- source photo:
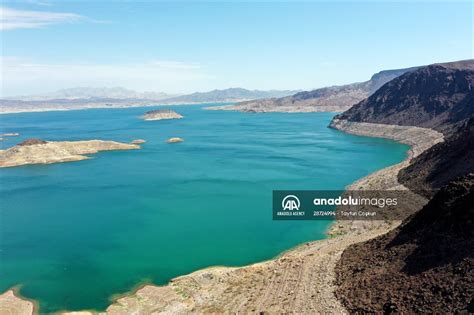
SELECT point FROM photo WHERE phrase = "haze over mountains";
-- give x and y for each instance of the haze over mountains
(230, 94)
(91, 92)
(88, 97)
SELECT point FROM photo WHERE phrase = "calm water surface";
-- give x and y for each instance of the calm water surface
(74, 234)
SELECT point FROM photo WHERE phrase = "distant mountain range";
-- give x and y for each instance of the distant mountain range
(86, 97)
(119, 93)
(93, 93)
(327, 99)
(229, 95)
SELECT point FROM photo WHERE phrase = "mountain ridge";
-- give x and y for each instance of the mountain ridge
(426, 264)
(230, 94)
(92, 93)
(331, 98)
(437, 96)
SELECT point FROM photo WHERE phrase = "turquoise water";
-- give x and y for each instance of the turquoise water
(75, 234)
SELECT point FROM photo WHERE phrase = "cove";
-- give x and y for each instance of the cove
(74, 234)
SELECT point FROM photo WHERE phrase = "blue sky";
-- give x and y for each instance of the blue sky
(186, 46)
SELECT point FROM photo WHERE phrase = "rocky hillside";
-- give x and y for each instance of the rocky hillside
(334, 98)
(445, 161)
(424, 266)
(438, 96)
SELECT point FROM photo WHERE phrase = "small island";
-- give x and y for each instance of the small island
(36, 151)
(174, 140)
(11, 134)
(161, 114)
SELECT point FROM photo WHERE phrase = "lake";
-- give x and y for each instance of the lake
(74, 234)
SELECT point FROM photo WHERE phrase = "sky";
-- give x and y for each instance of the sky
(187, 46)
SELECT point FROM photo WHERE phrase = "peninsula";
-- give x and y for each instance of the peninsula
(36, 151)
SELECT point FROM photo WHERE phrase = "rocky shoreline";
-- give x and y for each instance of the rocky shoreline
(419, 140)
(300, 280)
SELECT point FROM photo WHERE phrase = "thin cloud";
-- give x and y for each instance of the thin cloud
(39, 2)
(20, 19)
(25, 77)
(167, 64)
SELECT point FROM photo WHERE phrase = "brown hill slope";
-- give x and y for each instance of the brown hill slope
(445, 161)
(424, 266)
(439, 96)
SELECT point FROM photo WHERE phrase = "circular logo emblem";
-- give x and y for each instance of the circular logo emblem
(290, 202)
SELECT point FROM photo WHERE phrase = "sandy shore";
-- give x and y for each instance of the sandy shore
(300, 280)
